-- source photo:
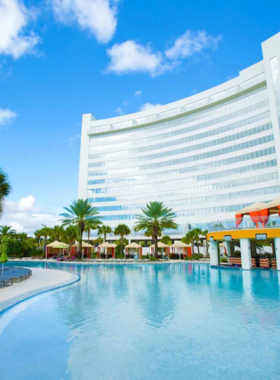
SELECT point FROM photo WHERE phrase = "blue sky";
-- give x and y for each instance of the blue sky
(62, 58)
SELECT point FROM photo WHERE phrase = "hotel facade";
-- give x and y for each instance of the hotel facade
(205, 156)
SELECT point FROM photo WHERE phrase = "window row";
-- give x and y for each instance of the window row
(146, 148)
(181, 192)
(194, 212)
(201, 177)
(259, 100)
(179, 161)
(179, 183)
(186, 149)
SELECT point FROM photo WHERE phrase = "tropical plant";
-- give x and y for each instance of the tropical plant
(46, 232)
(70, 235)
(154, 219)
(77, 214)
(122, 230)
(166, 240)
(57, 233)
(38, 236)
(91, 225)
(204, 233)
(5, 188)
(193, 237)
(7, 230)
(104, 230)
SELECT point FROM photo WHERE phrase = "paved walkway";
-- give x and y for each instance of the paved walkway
(41, 280)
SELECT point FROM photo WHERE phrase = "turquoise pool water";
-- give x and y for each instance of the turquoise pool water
(168, 321)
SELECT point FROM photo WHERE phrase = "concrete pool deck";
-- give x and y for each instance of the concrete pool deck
(108, 262)
(41, 280)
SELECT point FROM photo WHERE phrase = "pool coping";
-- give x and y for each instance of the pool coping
(112, 262)
(10, 303)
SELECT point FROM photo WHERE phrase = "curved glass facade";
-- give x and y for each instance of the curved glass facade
(205, 156)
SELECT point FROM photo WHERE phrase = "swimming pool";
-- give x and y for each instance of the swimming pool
(163, 321)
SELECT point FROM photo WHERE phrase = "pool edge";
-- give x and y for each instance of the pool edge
(24, 297)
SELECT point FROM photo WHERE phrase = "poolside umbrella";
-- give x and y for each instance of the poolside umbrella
(4, 249)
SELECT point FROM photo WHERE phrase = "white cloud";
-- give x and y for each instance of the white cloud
(119, 111)
(138, 93)
(24, 204)
(96, 16)
(149, 106)
(131, 57)
(71, 141)
(191, 43)
(6, 116)
(14, 19)
(25, 216)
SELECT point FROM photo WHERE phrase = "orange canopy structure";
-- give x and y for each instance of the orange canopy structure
(257, 211)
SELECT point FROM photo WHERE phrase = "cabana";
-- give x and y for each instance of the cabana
(54, 248)
(181, 248)
(109, 250)
(86, 249)
(273, 207)
(133, 246)
(257, 211)
(165, 247)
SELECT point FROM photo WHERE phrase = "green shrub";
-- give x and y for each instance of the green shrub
(224, 260)
(196, 256)
(152, 258)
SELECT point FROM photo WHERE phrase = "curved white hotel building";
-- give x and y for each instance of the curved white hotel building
(205, 156)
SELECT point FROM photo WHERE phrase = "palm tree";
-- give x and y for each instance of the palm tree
(156, 217)
(77, 214)
(7, 230)
(91, 225)
(5, 188)
(104, 230)
(57, 233)
(122, 230)
(166, 240)
(70, 235)
(38, 237)
(204, 233)
(46, 232)
(193, 237)
(22, 236)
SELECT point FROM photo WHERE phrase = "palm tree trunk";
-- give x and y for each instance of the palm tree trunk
(156, 246)
(45, 243)
(121, 245)
(80, 243)
(88, 234)
(192, 247)
(104, 238)
(198, 247)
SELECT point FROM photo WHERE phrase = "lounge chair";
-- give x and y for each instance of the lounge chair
(71, 258)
